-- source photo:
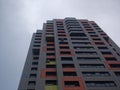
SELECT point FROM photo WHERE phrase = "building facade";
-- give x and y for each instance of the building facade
(71, 54)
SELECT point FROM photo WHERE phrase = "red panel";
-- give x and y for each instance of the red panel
(44, 70)
(79, 79)
(50, 56)
(108, 55)
(44, 48)
(50, 42)
(71, 50)
(61, 31)
(112, 62)
(68, 69)
(63, 45)
(42, 73)
(50, 47)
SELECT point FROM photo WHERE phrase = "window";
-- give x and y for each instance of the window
(68, 65)
(88, 58)
(37, 38)
(73, 27)
(50, 54)
(95, 25)
(61, 32)
(30, 89)
(87, 26)
(71, 83)
(49, 30)
(110, 59)
(34, 63)
(83, 47)
(50, 73)
(79, 39)
(37, 42)
(50, 44)
(78, 34)
(65, 52)
(69, 74)
(34, 69)
(64, 47)
(38, 33)
(36, 45)
(49, 33)
(75, 30)
(36, 51)
(92, 66)
(51, 82)
(92, 32)
(92, 74)
(106, 53)
(114, 49)
(35, 58)
(102, 48)
(97, 39)
(117, 73)
(50, 66)
(62, 39)
(89, 29)
(33, 75)
(66, 59)
(50, 49)
(31, 83)
(118, 54)
(62, 28)
(114, 65)
(103, 34)
(63, 42)
(50, 59)
(82, 43)
(100, 83)
(62, 35)
(98, 28)
(94, 35)
(86, 52)
(99, 43)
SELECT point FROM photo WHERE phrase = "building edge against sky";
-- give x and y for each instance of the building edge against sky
(71, 54)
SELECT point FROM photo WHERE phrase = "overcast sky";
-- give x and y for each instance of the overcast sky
(20, 18)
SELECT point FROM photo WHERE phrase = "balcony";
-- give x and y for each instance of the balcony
(50, 62)
(51, 87)
(49, 37)
(76, 34)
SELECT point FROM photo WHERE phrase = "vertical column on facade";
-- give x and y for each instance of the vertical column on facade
(59, 36)
(48, 76)
(73, 28)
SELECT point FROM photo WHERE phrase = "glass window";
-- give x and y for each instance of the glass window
(92, 65)
(71, 84)
(100, 83)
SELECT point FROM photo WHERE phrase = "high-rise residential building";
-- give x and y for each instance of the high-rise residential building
(71, 54)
